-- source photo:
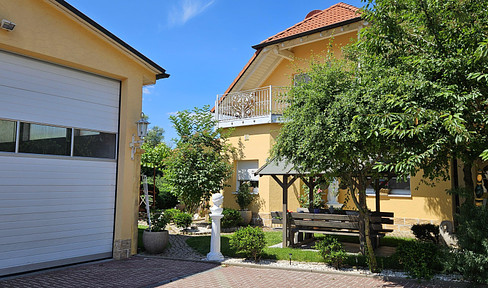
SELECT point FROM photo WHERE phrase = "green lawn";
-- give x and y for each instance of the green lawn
(202, 245)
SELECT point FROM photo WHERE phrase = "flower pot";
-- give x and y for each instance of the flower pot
(155, 242)
(246, 216)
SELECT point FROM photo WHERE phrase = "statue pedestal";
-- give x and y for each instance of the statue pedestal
(214, 254)
(216, 215)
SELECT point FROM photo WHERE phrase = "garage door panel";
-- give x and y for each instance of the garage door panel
(53, 256)
(41, 92)
(55, 165)
(53, 216)
(54, 235)
(39, 76)
(46, 231)
(34, 109)
(54, 242)
(30, 252)
(42, 220)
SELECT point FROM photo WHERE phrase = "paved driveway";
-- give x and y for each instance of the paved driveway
(158, 272)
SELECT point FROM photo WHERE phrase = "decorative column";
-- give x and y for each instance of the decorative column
(216, 215)
(332, 193)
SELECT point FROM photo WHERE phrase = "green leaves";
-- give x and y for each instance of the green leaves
(199, 165)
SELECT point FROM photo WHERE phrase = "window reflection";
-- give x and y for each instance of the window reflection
(94, 144)
(43, 139)
(7, 135)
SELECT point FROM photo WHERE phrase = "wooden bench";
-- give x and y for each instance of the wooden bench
(334, 224)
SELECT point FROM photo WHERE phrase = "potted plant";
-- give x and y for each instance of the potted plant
(155, 238)
(244, 198)
(318, 201)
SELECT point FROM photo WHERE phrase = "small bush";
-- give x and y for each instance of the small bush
(249, 241)
(232, 218)
(471, 260)
(158, 221)
(170, 213)
(426, 232)
(332, 251)
(182, 220)
(419, 259)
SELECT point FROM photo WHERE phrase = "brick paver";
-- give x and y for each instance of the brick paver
(133, 272)
(159, 272)
(233, 276)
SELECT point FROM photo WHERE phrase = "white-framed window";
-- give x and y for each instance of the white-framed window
(301, 78)
(394, 186)
(245, 172)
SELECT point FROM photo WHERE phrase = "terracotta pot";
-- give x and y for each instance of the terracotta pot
(246, 216)
(155, 242)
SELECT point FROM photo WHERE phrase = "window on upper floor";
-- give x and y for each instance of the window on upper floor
(301, 78)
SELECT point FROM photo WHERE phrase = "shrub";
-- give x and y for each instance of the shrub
(332, 251)
(182, 219)
(249, 241)
(471, 260)
(419, 259)
(426, 232)
(232, 218)
(170, 213)
(158, 221)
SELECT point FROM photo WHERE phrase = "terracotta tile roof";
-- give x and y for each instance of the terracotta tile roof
(336, 13)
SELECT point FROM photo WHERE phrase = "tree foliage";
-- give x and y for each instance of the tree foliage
(421, 54)
(200, 163)
(155, 136)
(322, 132)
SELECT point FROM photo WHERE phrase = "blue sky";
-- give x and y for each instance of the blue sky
(203, 44)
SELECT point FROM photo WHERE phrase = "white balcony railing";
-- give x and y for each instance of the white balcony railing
(257, 106)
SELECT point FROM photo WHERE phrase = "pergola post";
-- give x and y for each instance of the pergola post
(285, 210)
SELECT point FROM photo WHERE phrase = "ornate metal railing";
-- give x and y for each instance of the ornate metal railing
(256, 103)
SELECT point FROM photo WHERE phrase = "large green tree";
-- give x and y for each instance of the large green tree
(321, 133)
(421, 55)
(200, 163)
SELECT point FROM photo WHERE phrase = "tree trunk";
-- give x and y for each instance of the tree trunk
(468, 181)
(373, 266)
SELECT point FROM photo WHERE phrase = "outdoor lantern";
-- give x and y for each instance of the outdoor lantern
(142, 126)
(141, 133)
(478, 190)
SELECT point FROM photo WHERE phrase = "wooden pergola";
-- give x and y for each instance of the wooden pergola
(276, 168)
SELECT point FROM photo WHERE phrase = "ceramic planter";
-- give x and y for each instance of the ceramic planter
(246, 216)
(155, 242)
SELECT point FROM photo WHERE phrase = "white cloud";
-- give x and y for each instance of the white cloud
(147, 90)
(186, 10)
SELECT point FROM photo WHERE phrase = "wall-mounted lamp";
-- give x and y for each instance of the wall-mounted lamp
(7, 25)
(141, 133)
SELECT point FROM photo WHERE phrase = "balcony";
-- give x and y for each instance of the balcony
(251, 107)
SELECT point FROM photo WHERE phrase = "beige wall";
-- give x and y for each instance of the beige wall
(47, 32)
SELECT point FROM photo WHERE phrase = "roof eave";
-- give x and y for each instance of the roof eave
(332, 26)
(162, 72)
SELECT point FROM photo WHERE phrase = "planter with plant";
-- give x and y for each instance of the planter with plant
(156, 238)
(244, 198)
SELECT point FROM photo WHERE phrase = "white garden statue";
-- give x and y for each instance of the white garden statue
(216, 215)
(333, 192)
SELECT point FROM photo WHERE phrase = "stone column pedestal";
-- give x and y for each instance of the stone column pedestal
(216, 215)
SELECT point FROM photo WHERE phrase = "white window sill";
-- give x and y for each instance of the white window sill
(254, 193)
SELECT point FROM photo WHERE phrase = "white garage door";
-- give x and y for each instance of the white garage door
(58, 135)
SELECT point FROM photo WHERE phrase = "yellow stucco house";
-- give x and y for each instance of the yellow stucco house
(251, 107)
(70, 94)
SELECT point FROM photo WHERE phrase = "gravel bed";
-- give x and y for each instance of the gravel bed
(321, 267)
